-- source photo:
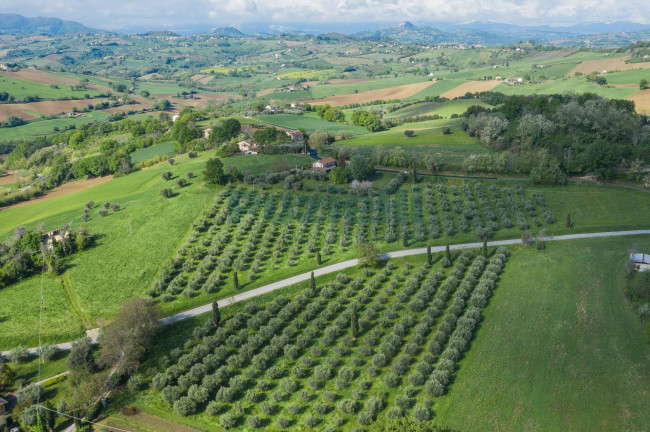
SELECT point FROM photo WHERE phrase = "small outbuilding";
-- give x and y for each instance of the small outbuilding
(295, 135)
(641, 261)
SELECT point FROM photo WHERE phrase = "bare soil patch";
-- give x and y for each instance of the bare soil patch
(266, 92)
(202, 78)
(609, 65)
(471, 87)
(398, 92)
(39, 76)
(44, 107)
(65, 189)
(641, 101)
(11, 178)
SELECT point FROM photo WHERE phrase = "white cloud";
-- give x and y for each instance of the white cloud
(117, 14)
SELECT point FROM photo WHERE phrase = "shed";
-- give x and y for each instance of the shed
(641, 261)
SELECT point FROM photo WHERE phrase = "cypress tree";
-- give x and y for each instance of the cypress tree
(429, 257)
(447, 252)
(312, 282)
(568, 221)
(354, 324)
(235, 280)
(485, 248)
(318, 258)
(216, 314)
(415, 174)
(405, 242)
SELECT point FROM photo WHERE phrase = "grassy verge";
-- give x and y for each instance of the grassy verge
(559, 349)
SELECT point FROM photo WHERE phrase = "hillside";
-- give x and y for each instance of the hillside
(18, 24)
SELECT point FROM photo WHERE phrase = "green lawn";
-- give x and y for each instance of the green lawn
(558, 349)
(309, 123)
(628, 77)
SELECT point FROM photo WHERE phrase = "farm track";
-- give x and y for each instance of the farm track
(351, 263)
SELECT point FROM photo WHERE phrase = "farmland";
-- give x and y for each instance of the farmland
(309, 123)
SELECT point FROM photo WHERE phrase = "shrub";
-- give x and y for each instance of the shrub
(18, 355)
(167, 193)
(283, 422)
(254, 421)
(434, 388)
(364, 418)
(167, 175)
(102, 212)
(181, 182)
(135, 383)
(347, 406)
(184, 406)
(391, 380)
(227, 421)
(421, 413)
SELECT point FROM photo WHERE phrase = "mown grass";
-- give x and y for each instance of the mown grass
(628, 77)
(559, 349)
(309, 123)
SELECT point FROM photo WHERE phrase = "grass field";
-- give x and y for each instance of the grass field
(558, 348)
(19, 89)
(628, 77)
(151, 152)
(309, 74)
(564, 86)
(444, 109)
(309, 123)
(40, 127)
(131, 246)
(437, 88)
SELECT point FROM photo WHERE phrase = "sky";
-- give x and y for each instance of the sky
(189, 14)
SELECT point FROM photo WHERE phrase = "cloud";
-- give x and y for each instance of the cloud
(118, 14)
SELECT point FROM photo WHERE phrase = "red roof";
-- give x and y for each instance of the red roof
(295, 133)
(327, 160)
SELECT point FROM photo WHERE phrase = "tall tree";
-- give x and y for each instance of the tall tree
(429, 256)
(216, 314)
(447, 252)
(354, 324)
(568, 221)
(80, 359)
(6, 375)
(235, 280)
(368, 254)
(485, 248)
(214, 172)
(312, 282)
(128, 337)
(318, 258)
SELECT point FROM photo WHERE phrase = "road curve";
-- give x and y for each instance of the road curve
(351, 263)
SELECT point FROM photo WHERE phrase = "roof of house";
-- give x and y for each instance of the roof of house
(327, 160)
(640, 258)
(294, 133)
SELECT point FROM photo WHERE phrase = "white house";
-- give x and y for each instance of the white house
(326, 164)
(273, 108)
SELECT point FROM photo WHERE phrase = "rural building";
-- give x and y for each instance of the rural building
(273, 108)
(295, 135)
(641, 261)
(3, 411)
(54, 236)
(207, 132)
(175, 117)
(326, 164)
(247, 147)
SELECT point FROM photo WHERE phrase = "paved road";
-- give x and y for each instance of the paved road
(351, 263)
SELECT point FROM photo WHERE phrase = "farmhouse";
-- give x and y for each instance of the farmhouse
(326, 164)
(247, 147)
(641, 261)
(295, 135)
(53, 237)
(273, 108)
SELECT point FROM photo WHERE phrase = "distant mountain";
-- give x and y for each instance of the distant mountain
(488, 33)
(227, 31)
(18, 24)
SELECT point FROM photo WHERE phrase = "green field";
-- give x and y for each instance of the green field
(151, 152)
(310, 123)
(559, 349)
(325, 90)
(41, 127)
(20, 89)
(130, 248)
(628, 77)
(563, 86)
(443, 109)
(437, 88)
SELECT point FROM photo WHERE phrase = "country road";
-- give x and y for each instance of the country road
(346, 264)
